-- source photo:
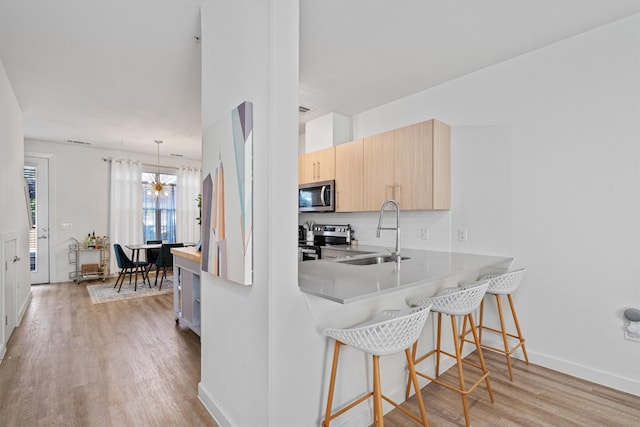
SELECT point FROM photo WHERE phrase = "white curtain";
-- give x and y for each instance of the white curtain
(125, 205)
(187, 190)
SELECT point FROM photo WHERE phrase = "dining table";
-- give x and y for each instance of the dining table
(135, 255)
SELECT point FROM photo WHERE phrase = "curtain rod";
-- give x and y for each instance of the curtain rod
(109, 159)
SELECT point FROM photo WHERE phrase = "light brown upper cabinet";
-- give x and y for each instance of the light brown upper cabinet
(317, 166)
(410, 165)
(349, 176)
(379, 169)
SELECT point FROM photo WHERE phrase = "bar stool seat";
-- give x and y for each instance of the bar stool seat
(460, 301)
(389, 332)
(502, 284)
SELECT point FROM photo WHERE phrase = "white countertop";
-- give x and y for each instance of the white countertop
(345, 283)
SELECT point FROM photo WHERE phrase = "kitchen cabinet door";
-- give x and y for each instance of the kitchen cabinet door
(441, 165)
(349, 176)
(423, 166)
(379, 170)
(301, 171)
(317, 166)
(413, 185)
(411, 165)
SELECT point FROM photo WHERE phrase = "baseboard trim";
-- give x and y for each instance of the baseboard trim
(626, 385)
(24, 307)
(206, 398)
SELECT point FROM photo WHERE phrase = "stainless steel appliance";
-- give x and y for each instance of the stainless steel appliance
(323, 235)
(317, 197)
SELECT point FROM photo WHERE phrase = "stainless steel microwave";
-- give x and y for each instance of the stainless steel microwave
(317, 197)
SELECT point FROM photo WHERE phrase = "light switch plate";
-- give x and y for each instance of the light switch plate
(462, 234)
(424, 233)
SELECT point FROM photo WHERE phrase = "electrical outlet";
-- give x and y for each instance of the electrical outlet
(66, 226)
(424, 233)
(462, 234)
(632, 331)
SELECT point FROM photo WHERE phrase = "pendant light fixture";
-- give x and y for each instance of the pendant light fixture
(157, 186)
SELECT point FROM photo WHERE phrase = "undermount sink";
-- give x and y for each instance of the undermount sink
(376, 259)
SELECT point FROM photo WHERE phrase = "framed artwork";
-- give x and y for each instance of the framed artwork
(227, 197)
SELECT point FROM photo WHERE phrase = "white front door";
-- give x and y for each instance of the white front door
(36, 170)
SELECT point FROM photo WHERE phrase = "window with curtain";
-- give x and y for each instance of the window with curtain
(187, 214)
(159, 206)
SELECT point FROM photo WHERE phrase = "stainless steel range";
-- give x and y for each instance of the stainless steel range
(323, 235)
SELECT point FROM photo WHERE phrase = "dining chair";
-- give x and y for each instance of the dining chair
(128, 267)
(165, 261)
(152, 254)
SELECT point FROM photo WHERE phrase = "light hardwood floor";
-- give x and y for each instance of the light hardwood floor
(125, 363)
(72, 363)
(538, 397)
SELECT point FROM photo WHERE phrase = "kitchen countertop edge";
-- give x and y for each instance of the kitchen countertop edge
(345, 284)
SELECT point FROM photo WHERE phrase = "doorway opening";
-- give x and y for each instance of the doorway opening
(36, 175)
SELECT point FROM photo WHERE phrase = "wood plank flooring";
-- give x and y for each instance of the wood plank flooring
(124, 363)
(537, 397)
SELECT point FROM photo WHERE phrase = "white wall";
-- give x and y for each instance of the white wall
(250, 53)
(545, 163)
(326, 131)
(12, 215)
(545, 168)
(79, 193)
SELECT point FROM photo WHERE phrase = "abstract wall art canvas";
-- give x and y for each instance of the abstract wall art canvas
(227, 197)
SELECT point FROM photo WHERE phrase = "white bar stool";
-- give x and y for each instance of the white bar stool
(461, 301)
(387, 333)
(502, 284)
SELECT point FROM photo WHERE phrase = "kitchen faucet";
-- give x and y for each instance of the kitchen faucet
(395, 255)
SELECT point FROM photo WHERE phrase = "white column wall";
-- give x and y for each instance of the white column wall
(545, 161)
(249, 53)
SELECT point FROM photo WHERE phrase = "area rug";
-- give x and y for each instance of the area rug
(105, 292)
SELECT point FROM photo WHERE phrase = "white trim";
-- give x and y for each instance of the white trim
(207, 400)
(627, 385)
(6, 237)
(53, 230)
(23, 308)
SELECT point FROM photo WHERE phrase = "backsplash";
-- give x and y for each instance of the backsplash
(437, 224)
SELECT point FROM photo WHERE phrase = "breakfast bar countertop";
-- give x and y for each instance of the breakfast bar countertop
(344, 283)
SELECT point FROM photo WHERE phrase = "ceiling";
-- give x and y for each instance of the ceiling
(120, 74)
